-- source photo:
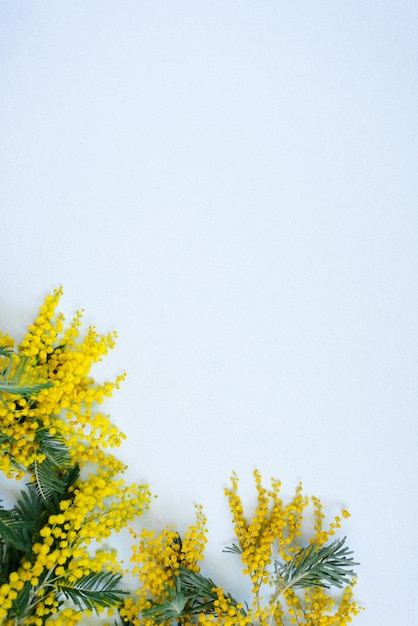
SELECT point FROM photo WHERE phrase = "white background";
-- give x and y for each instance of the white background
(233, 187)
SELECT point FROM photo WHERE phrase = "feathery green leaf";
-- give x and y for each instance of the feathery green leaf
(321, 567)
(234, 549)
(51, 475)
(191, 595)
(93, 591)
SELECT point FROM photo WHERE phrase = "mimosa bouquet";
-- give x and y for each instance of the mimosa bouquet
(56, 566)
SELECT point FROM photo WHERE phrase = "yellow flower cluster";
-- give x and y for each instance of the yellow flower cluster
(157, 559)
(225, 613)
(318, 608)
(273, 526)
(274, 532)
(272, 535)
(17, 432)
(66, 407)
(97, 504)
(64, 544)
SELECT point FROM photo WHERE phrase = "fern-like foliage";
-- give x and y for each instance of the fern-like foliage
(93, 591)
(192, 594)
(234, 549)
(20, 525)
(13, 542)
(11, 527)
(327, 566)
(51, 474)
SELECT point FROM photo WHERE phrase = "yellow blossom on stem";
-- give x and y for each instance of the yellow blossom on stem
(52, 433)
(65, 408)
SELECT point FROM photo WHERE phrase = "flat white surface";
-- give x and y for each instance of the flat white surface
(233, 187)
